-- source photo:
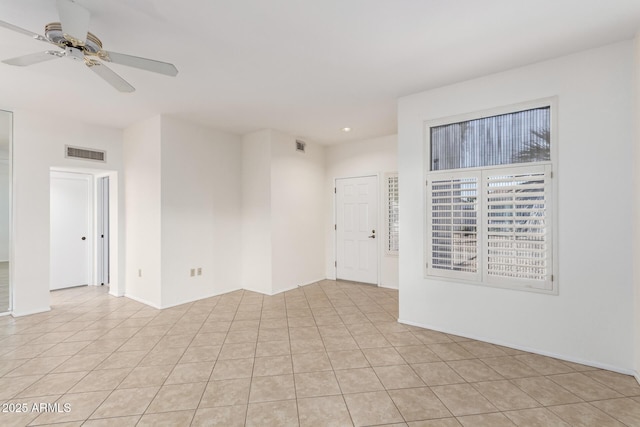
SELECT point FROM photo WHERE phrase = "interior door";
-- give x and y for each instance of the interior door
(102, 197)
(356, 234)
(70, 234)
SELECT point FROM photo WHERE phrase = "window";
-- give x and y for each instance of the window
(391, 214)
(489, 204)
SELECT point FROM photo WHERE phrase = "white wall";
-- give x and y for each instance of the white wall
(142, 164)
(591, 320)
(636, 206)
(38, 145)
(183, 184)
(201, 211)
(297, 215)
(282, 216)
(360, 158)
(256, 212)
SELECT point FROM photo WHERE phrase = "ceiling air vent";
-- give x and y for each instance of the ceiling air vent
(300, 145)
(85, 154)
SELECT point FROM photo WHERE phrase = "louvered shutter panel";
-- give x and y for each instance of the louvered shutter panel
(452, 222)
(517, 221)
(392, 214)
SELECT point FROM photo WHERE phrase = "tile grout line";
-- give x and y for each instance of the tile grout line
(195, 413)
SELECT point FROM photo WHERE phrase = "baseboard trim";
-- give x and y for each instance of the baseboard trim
(270, 294)
(528, 349)
(142, 301)
(118, 294)
(636, 375)
(291, 288)
(388, 287)
(215, 294)
(30, 312)
(314, 281)
(244, 288)
(163, 307)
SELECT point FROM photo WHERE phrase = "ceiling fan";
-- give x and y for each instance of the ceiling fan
(73, 40)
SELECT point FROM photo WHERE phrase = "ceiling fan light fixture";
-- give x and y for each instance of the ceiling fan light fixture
(71, 35)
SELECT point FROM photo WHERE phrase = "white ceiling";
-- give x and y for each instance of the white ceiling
(305, 67)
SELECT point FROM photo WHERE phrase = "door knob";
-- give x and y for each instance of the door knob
(84, 238)
(373, 236)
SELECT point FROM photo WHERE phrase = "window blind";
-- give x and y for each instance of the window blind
(392, 214)
(518, 137)
(453, 224)
(517, 221)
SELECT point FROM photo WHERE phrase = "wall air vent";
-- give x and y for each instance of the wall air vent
(85, 154)
(300, 145)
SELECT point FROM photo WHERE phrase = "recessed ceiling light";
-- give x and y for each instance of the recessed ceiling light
(346, 129)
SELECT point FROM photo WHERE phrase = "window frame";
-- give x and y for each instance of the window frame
(551, 102)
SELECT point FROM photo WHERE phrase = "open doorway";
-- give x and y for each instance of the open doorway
(102, 215)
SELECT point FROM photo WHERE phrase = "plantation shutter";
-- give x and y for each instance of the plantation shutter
(517, 221)
(452, 221)
(392, 214)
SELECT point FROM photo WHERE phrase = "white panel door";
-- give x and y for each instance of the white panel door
(356, 229)
(70, 234)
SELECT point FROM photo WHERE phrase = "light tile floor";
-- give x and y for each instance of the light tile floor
(328, 354)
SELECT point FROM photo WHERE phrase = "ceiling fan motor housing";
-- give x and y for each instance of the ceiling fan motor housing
(53, 31)
(74, 53)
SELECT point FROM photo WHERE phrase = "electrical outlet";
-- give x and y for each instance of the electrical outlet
(139, 272)
(199, 271)
(193, 272)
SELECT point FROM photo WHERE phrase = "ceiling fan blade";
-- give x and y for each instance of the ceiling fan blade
(34, 58)
(142, 63)
(74, 20)
(110, 77)
(23, 31)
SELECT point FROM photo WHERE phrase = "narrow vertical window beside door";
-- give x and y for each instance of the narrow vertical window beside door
(392, 214)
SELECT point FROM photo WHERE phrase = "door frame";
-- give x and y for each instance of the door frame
(378, 225)
(116, 284)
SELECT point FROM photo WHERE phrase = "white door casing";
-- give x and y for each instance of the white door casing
(357, 235)
(70, 230)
